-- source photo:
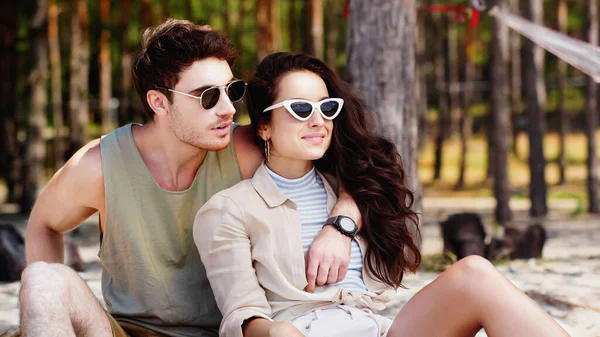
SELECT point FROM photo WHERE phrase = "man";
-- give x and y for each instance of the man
(147, 182)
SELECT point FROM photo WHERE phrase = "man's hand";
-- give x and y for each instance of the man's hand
(327, 258)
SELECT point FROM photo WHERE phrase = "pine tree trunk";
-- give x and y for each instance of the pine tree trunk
(56, 84)
(313, 34)
(591, 116)
(465, 119)
(164, 8)
(453, 79)
(126, 63)
(9, 145)
(421, 76)
(516, 78)
(536, 125)
(376, 29)
(267, 28)
(292, 24)
(35, 148)
(500, 116)
(331, 28)
(80, 68)
(105, 68)
(189, 13)
(442, 94)
(562, 83)
(146, 15)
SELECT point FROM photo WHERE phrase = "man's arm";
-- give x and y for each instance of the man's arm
(74, 193)
(328, 257)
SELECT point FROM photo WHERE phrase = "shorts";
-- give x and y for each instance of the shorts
(342, 321)
(125, 329)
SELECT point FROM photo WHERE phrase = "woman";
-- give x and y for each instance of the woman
(252, 236)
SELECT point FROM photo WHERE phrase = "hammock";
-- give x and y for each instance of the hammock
(579, 54)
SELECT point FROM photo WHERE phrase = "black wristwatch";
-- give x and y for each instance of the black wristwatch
(344, 224)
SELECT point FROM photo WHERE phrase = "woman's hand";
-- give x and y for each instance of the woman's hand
(284, 329)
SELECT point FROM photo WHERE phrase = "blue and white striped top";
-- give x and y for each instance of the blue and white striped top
(310, 196)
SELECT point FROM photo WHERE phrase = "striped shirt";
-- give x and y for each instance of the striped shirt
(308, 192)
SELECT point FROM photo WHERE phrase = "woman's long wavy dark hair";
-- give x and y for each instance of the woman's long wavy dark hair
(366, 164)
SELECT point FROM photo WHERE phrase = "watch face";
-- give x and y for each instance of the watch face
(347, 225)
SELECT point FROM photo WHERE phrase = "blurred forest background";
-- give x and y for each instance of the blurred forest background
(497, 116)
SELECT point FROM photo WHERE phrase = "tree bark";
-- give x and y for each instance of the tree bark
(292, 24)
(453, 76)
(562, 83)
(105, 68)
(9, 145)
(56, 84)
(267, 28)
(421, 76)
(313, 30)
(376, 30)
(591, 116)
(146, 15)
(331, 28)
(465, 119)
(500, 117)
(189, 13)
(536, 124)
(126, 63)
(442, 94)
(164, 8)
(35, 149)
(80, 68)
(516, 78)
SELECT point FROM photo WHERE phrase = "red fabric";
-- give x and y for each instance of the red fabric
(346, 9)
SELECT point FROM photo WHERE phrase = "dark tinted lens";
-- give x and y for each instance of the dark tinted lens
(329, 108)
(210, 97)
(236, 90)
(301, 109)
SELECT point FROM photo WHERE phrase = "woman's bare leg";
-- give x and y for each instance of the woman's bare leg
(470, 295)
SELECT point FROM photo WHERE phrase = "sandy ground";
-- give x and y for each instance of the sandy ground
(566, 283)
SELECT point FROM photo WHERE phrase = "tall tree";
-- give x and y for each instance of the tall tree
(79, 113)
(292, 8)
(331, 28)
(533, 57)
(453, 75)
(516, 78)
(466, 122)
(35, 149)
(313, 30)
(267, 28)
(56, 83)
(189, 13)
(442, 95)
(9, 145)
(146, 14)
(420, 74)
(591, 116)
(562, 83)
(126, 63)
(377, 29)
(105, 67)
(500, 118)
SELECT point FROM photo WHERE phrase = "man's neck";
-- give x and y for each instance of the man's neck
(173, 164)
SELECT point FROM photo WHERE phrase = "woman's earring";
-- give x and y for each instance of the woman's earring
(267, 150)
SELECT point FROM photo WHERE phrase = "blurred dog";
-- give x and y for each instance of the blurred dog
(464, 235)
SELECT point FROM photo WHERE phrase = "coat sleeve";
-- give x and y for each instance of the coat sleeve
(221, 236)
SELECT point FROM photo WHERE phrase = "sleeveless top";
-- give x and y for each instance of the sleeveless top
(152, 275)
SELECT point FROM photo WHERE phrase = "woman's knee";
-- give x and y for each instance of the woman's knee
(472, 273)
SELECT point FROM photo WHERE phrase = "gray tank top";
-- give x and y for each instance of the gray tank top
(152, 274)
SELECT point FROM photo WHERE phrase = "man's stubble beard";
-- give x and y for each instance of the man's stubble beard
(186, 134)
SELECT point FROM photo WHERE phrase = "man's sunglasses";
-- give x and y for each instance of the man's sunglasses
(302, 109)
(210, 97)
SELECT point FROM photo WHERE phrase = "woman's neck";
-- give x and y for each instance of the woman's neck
(290, 168)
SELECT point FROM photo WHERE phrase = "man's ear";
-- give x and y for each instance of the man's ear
(264, 131)
(158, 102)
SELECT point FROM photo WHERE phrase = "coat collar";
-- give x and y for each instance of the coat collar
(274, 196)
